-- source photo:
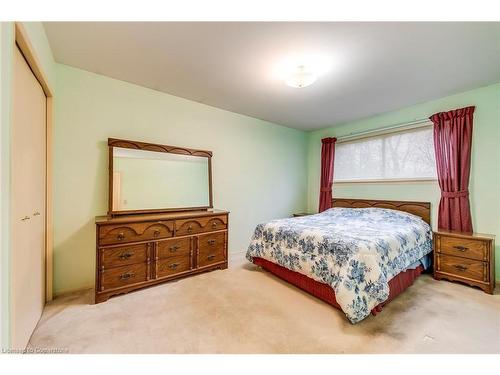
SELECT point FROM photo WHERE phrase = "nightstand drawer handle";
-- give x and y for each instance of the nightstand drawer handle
(460, 267)
(210, 257)
(173, 248)
(211, 242)
(173, 266)
(461, 248)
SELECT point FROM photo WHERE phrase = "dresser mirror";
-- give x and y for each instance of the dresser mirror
(147, 177)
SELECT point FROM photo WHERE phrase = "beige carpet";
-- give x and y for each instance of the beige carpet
(246, 310)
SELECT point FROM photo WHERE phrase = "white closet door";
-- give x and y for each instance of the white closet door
(28, 156)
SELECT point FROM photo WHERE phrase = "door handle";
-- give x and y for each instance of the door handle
(25, 218)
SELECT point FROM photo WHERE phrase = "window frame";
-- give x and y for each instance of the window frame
(380, 133)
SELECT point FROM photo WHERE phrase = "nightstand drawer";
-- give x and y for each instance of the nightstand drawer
(462, 267)
(461, 247)
(465, 257)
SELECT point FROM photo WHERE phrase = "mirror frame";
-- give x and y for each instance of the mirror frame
(136, 145)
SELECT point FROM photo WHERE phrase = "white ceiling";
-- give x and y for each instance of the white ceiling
(371, 67)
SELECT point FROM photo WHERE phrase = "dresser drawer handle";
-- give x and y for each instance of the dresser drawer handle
(190, 229)
(214, 224)
(156, 233)
(210, 257)
(127, 276)
(173, 248)
(211, 242)
(461, 248)
(460, 267)
(121, 236)
(173, 266)
(127, 255)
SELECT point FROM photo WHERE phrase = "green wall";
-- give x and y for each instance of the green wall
(485, 169)
(259, 168)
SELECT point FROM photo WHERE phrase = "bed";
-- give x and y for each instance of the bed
(356, 256)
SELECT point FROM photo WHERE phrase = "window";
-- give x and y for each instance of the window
(405, 155)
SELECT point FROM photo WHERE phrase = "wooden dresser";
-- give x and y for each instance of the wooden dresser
(465, 257)
(136, 251)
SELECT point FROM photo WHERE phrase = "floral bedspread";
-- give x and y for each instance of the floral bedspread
(355, 251)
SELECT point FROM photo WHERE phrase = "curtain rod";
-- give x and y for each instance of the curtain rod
(387, 129)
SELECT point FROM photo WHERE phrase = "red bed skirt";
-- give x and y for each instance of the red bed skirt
(325, 293)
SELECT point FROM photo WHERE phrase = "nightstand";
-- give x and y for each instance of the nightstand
(299, 214)
(465, 257)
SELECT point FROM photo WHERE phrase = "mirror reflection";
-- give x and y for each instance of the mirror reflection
(157, 180)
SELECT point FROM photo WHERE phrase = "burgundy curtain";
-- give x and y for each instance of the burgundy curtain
(327, 158)
(452, 144)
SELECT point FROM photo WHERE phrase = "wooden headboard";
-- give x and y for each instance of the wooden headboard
(422, 209)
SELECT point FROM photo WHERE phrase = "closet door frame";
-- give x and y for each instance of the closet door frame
(23, 42)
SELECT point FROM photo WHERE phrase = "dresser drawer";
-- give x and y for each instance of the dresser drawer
(123, 255)
(173, 247)
(462, 267)
(200, 225)
(211, 249)
(130, 232)
(122, 276)
(467, 248)
(173, 265)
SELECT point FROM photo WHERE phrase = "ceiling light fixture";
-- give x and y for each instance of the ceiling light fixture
(300, 77)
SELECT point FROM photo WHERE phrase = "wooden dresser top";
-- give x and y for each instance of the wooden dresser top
(159, 216)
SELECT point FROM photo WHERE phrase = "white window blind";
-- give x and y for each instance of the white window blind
(404, 155)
